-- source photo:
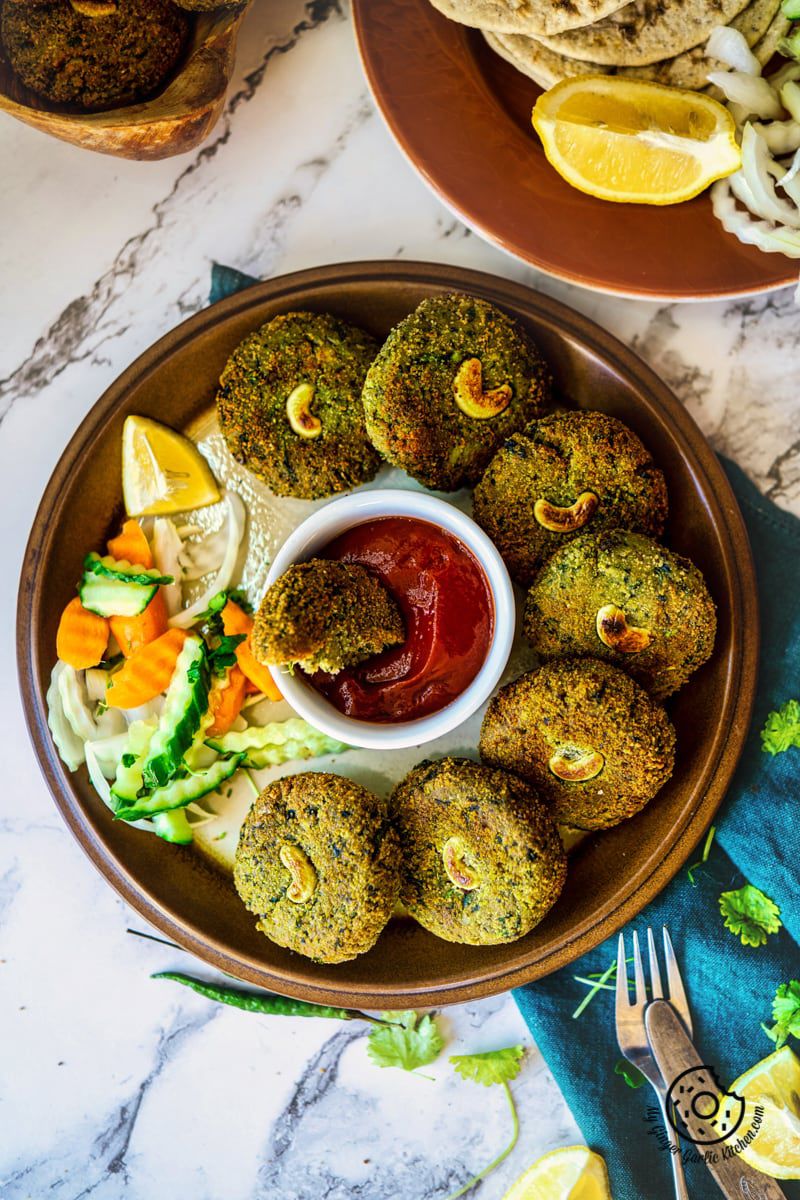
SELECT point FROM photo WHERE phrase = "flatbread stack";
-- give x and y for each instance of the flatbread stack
(659, 40)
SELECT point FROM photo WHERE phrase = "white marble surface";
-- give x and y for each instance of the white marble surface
(110, 1085)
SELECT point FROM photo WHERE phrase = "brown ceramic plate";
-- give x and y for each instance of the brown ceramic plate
(463, 117)
(612, 875)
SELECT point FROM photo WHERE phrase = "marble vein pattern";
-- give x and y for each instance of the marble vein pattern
(111, 1085)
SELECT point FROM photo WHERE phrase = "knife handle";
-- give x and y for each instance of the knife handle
(675, 1054)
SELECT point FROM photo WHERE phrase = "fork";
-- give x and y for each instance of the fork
(632, 1034)
(656, 1037)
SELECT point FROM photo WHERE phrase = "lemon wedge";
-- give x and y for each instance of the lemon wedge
(162, 471)
(574, 1173)
(773, 1086)
(619, 139)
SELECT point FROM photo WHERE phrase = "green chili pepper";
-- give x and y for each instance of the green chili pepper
(264, 1002)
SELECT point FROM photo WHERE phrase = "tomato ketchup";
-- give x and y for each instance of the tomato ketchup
(446, 602)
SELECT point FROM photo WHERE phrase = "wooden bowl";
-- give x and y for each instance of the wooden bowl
(172, 122)
(612, 875)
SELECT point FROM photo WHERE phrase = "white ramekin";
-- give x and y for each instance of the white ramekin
(316, 532)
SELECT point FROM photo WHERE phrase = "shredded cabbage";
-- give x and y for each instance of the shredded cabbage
(68, 744)
(166, 555)
(75, 703)
(234, 532)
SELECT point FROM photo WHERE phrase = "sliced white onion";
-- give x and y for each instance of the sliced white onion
(110, 723)
(166, 555)
(150, 711)
(96, 680)
(751, 91)
(202, 815)
(107, 752)
(781, 137)
(790, 180)
(68, 744)
(100, 785)
(759, 169)
(771, 239)
(790, 99)
(730, 46)
(790, 70)
(741, 190)
(99, 781)
(235, 533)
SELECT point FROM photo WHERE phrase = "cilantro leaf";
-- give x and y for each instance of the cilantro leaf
(785, 1013)
(408, 1046)
(631, 1074)
(782, 729)
(494, 1066)
(750, 914)
(223, 655)
(238, 597)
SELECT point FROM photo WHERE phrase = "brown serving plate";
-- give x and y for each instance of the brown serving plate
(612, 875)
(175, 120)
(462, 116)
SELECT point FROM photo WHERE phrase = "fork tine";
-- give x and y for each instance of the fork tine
(622, 997)
(656, 991)
(677, 993)
(638, 972)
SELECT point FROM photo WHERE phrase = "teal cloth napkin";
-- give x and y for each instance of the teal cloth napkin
(730, 987)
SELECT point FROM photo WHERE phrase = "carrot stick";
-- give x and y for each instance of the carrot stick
(225, 703)
(134, 632)
(131, 545)
(146, 674)
(82, 636)
(235, 621)
(256, 672)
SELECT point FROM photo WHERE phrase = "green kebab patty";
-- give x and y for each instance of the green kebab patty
(324, 615)
(565, 474)
(592, 742)
(482, 860)
(289, 405)
(318, 863)
(95, 61)
(449, 385)
(618, 595)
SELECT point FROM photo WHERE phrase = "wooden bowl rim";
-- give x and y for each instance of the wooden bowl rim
(734, 715)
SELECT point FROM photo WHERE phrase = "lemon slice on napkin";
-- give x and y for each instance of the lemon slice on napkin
(162, 471)
(774, 1085)
(574, 1173)
(619, 139)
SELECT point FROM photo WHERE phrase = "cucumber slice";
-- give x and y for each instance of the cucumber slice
(128, 780)
(181, 792)
(185, 706)
(114, 588)
(123, 571)
(275, 743)
(173, 827)
(112, 598)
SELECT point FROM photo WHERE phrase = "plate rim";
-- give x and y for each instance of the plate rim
(454, 206)
(717, 775)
